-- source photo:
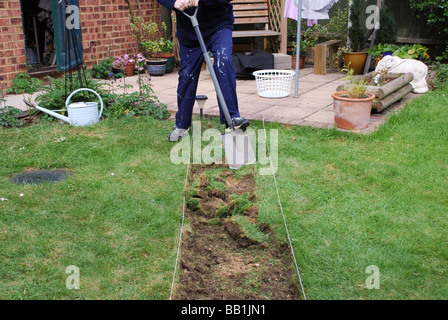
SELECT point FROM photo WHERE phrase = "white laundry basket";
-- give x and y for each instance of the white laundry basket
(274, 83)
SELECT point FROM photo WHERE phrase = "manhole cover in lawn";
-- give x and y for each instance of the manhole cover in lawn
(40, 176)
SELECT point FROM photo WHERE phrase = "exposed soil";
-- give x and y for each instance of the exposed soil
(226, 253)
(383, 81)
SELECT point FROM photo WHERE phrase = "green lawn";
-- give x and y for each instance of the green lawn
(355, 201)
(116, 218)
(350, 201)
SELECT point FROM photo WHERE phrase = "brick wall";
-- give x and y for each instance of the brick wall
(105, 28)
(12, 42)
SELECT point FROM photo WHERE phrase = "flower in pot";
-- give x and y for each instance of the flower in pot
(156, 65)
(151, 38)
(125, 64)
(356, 58)
(352, 107)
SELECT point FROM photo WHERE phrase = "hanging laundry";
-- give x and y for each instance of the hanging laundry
(311, 22)
(311, 9)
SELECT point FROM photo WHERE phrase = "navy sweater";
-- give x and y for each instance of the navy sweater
(213, 15)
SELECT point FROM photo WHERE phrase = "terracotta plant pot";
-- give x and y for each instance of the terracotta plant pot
(301, 61)
(352, 114)
(129, 69)
(355, 61)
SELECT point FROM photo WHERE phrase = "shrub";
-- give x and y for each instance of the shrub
(102, 70)
(54, 95)
(142, 102)
(388, 29)
(356, 32)
(435, 13)
(441, 75)
(24, 83)
(415, 51)
(7, 116)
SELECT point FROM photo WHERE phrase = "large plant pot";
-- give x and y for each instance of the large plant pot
(156, 67)
(118, 71)
(355, 61)
(301, 61)
(352, 114)
(169, 61)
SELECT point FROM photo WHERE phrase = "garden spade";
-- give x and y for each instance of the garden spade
(237, 145)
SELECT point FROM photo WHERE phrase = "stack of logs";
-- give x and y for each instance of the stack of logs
(388, 93)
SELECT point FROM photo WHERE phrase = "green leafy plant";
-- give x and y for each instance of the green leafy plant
(7, 113)
(54, 95)
(357, 88)
(167, 45)
(441, 74)
(379, 49)
(356, 32)
(24, 83)
(415, 51)
(338, 24)
(309, 39)
(387, 33)
(102, 69)
(337, 57)
(7, 116)
(150, 36)
(435, 14)
(138, 103)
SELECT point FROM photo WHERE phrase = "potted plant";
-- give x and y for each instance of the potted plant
(151, 38)
(355, 57)
(309, 40)
(379, 51)
(302, 54)
(156, 65)
(124, 64)
(352, 107)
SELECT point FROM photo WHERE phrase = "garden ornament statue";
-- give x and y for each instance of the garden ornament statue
(79, 113)
(397, 65)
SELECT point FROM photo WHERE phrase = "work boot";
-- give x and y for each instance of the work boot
(238, 123)
(177, 134)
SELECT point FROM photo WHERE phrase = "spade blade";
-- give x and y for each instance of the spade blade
(238, 149)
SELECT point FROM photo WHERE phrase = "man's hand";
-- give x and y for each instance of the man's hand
(182, 5)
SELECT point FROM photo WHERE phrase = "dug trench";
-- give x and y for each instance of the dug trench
(226, 252)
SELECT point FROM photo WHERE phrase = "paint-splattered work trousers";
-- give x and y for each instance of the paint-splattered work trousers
(191, 59)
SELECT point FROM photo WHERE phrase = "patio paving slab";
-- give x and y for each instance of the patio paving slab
(312, 107)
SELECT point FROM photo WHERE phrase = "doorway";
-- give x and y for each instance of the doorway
(38, 29)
